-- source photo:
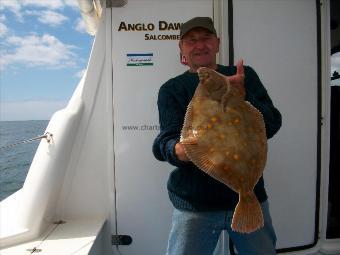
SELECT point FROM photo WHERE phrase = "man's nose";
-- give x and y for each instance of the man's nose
(200, 44)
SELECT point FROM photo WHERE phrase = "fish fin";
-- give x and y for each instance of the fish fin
(248, 215)
(198, 155)
(187, 132)
(190, 140)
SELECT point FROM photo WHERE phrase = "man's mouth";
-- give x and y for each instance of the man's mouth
(200, 54)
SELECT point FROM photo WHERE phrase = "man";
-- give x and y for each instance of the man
(203, 205)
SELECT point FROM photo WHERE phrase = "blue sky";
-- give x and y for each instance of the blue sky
(44, 49)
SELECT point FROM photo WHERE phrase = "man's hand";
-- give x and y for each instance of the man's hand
(237, 79)
(180, 153)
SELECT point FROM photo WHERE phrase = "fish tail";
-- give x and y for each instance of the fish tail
(248, 215)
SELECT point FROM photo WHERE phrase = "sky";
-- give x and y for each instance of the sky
(44, 50)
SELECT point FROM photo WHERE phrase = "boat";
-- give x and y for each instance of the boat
(94, 186)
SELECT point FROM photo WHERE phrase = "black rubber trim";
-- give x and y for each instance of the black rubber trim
(231, 31)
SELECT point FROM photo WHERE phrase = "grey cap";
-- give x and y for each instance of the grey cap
(205, 22)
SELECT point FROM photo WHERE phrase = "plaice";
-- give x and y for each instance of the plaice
(225, 136)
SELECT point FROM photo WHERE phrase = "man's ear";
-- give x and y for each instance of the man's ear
(180, 45)
(218, 44)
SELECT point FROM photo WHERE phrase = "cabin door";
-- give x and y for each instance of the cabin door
(145, 54)
(279, 40)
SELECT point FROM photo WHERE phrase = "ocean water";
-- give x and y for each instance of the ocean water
(16, 161)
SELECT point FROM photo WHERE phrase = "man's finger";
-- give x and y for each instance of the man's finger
(239, 76)
(240, 68)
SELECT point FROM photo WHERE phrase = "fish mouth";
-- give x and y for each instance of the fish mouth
(206, 77)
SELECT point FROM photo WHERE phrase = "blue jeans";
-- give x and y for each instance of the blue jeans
(197, 233)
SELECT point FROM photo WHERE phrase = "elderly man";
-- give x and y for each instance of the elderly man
(204, 206)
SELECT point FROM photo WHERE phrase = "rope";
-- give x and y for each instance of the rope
(48, 136)
(36, 249)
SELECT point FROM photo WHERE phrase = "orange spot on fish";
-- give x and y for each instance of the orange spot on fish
(213, 119)
(236, 156)
(236, 121)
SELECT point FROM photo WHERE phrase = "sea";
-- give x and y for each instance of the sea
(15, 161)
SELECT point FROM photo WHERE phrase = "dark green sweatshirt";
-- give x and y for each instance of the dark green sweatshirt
(190, 188)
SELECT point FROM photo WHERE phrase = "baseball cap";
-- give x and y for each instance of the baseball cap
(205, 22)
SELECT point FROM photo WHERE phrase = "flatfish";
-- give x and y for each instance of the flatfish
(225, 136)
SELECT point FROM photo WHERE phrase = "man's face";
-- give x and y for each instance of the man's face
(199, 46)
